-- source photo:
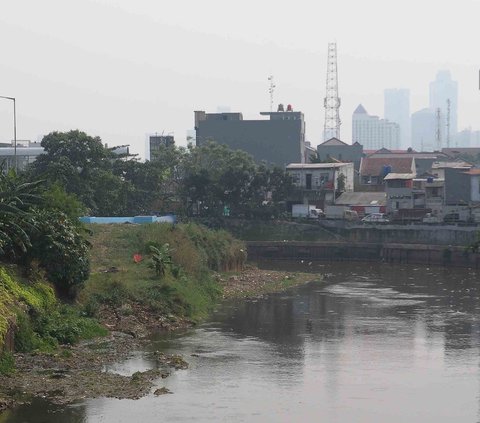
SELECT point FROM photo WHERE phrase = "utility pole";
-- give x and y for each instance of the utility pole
(332, 101)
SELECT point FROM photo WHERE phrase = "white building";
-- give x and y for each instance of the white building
(25, 153)
(442, 91)
(322, 176)
(374, 133)
(424, 127)
(397, 109)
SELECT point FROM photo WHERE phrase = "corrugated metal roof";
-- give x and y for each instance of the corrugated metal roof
(451, 165)
(392, 175)
(316, 165)
(362, 199)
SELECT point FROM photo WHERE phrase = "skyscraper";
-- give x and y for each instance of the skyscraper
(397, 109)
(372, 132)
(444, 91)
(424, 129)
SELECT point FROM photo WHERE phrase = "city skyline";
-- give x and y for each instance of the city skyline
(121, 70)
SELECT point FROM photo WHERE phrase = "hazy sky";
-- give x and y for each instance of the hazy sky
(123, 68)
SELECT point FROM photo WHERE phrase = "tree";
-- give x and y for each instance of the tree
(84, 168)
(217, 179)
(16, 199)
(214, 177)
(155, 183)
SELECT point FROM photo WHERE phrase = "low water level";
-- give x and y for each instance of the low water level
(371, 343)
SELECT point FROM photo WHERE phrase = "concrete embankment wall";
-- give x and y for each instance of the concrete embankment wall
(405, 234)
(360, 251)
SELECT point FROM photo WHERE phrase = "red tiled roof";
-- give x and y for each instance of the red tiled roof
(375, 165)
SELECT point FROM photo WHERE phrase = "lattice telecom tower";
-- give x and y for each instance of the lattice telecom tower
(332, 101)
(271, 90)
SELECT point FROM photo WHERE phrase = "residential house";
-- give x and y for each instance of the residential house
(318, 183)
(340, 151)
(374, 169)
(439, 168)
(400, 192)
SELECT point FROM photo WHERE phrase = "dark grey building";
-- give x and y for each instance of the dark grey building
(336, 149)
(457, 187)
(279, 140)
(156, 142)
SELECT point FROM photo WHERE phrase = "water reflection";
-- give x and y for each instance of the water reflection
(370, 343)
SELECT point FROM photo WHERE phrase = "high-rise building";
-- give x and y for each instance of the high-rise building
(374, 133)
(424, 130)
(466, 138)
(279, 140)
(397, 109)
(444, 96)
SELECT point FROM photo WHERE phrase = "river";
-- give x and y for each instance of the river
(370, 343)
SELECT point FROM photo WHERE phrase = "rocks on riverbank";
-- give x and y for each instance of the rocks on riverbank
(256, 282)
(78, 372)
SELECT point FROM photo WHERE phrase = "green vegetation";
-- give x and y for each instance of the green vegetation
(276, 230)
(41, 322)
(208, 181)
(7, 363)
(180, 281)
(45, 251)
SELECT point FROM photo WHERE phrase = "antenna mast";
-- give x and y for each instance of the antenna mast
(332, 101)
(438, 136)
(271, 90)
(448, 123)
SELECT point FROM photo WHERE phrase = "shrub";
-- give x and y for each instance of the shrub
(161, 259)
(7, 363)
(61, 250)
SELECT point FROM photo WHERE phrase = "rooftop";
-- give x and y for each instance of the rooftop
(333, 141)
(451, 165)
(360, 110)
(405, 176)
(376, 165)
(316, 165)
(362, 199)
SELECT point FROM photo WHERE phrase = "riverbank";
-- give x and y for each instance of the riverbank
(78, 372)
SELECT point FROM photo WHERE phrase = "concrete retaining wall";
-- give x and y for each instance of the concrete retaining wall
(405, 234)
(343, 251)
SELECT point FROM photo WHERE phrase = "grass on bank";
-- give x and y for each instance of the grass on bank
(187, 289)
(40, 321)
(254, 230)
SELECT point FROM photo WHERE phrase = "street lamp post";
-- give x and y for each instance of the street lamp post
(14, 128)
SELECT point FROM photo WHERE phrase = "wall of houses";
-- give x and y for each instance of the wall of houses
(475, 188)
(323, 178)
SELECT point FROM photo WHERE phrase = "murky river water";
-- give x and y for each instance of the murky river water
(372, 343)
